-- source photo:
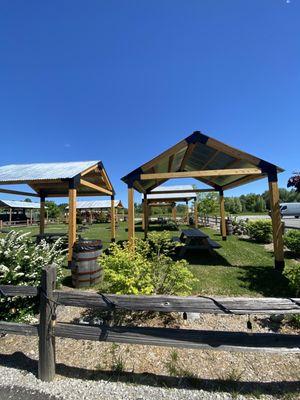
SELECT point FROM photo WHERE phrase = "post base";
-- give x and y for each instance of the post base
(224, 238)
(113, 240)
(279, 265)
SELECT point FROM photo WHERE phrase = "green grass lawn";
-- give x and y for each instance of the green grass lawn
(238, 268)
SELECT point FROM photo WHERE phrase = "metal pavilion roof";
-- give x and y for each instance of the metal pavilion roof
(98, 204)
(52, 179)
(19, 204)
(43, 171)
(180, 196)
(200, 152)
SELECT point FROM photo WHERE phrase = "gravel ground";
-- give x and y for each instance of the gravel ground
(16, 385)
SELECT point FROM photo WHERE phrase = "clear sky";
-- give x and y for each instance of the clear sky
(121, 81)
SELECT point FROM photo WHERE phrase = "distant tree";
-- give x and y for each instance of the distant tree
(28, 200)
(294, 181)
(208, 203)
(53, 209)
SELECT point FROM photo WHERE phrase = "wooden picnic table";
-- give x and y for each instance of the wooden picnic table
(195, 239)
(49, 236)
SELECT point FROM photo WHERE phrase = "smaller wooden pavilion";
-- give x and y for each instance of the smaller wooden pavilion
(219, 166)
(16, 211)
(169, 196)
(91, 208)
(63, 179)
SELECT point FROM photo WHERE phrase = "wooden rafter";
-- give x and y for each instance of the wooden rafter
(183, 191)
(95, 187)
(216, 153)
(170, 164)
(186, 156)
(17, 192)
(172, 150)
(242, 181)
(90, 169)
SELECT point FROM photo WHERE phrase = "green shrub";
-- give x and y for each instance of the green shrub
(239, 227)
(147, 270)
(292, 273)
(260, 231)
(21, 263)
(292, 241)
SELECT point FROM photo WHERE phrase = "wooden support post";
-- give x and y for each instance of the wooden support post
(143, 215)
(187, 212)
(31, 216)
(46, 365)
(10, 217)
(276, 221)
(131, 226)
(113, 219)
(47, 217)
(174, 212)
(222, 215)
(146, 215)
(72, 221)
(42, 215)
(1, 224)
(196, 213)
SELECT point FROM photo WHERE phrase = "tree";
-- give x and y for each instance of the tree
(53, 209)
(208, 203)
(28, 200)
(294, 181)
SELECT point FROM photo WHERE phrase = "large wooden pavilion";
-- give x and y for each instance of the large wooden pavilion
(213, 163)
(67, 179)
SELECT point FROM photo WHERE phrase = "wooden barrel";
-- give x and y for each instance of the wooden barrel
(229, 228)
(86, 270)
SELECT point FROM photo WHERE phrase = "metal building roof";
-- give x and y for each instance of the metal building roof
(199, 152)
(43, 171)
(180, 196)
(98, 204)
(19, 204)
(54, 179)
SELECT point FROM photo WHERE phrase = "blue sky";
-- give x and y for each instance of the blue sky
(123, 80)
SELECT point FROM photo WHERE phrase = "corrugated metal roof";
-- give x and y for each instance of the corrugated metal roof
(18, 204)
(97, 204)
(43, 171)
(177, 187)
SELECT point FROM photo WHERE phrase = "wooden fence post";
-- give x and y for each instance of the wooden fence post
(46, 332)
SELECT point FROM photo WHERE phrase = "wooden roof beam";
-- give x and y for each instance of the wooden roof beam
(95, 187)
(206, 173)
(17, 192)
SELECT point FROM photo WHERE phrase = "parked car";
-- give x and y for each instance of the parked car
(290, 210)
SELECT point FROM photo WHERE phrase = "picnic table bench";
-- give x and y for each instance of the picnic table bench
(195, 239)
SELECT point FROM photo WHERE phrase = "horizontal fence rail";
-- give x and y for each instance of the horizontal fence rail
(182, 338)
(47, 329)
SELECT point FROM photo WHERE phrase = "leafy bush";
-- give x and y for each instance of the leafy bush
(292, 240)
(292, 273)
(240, 227)
(147, 270)
(260, 231)
(21, 263)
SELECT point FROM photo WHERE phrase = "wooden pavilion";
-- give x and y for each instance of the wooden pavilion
(65, 179)
(91, 208)
(16, 212)
(213, 163)
(169, 196)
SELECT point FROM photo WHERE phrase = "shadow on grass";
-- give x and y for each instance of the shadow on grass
(267, 281)
(20, 361)
(194, 257)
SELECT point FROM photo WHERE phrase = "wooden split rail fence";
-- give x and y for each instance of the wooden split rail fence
(48, 328)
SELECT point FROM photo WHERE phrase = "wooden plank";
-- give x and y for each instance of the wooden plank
(183, 338)
(46, 365)
(204, 304)
(146, 216)
(276, 225)
(113, 219)
(42, 215)
(196, 174)
(22, 291)
(174, 212)
(106, 179)
(90, 169)
(95, 187)
(15, 328)
(17, 192)
(216, 153)
(187, 155)
(131, 225)
(196, 213)
(170, 163)
(243, 181)
(72, 223)
(222, 215)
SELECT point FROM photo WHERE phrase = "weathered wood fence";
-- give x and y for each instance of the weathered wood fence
(48, 328)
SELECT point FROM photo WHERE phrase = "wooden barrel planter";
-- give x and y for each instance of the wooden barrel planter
(86, 270)
(229, 228)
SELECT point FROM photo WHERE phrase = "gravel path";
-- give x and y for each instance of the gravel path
(17, 385)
